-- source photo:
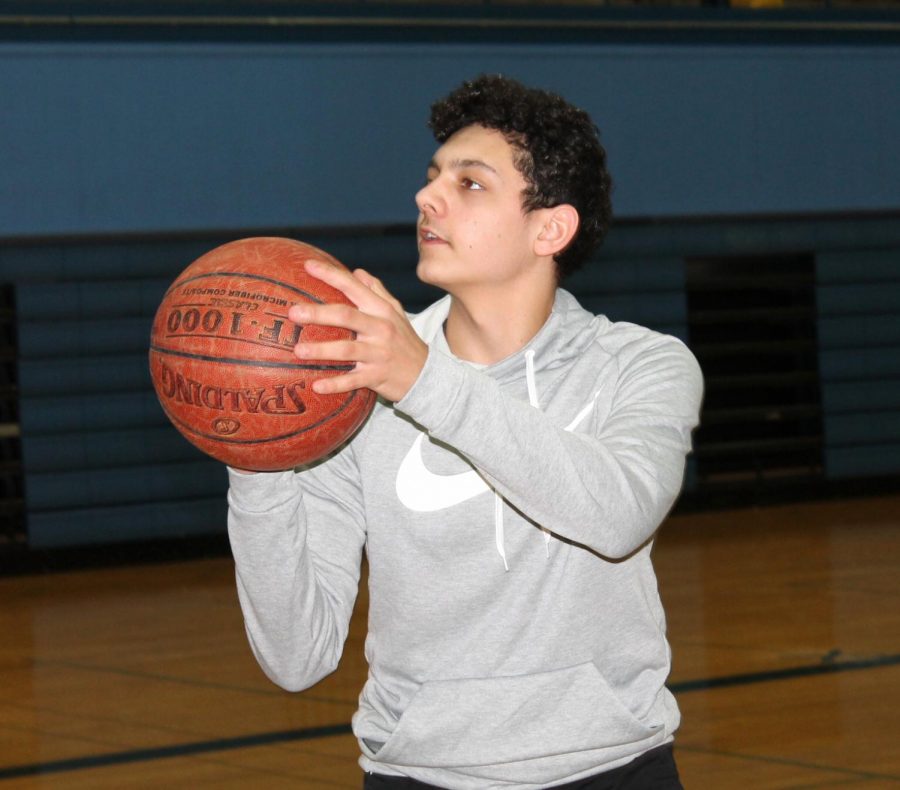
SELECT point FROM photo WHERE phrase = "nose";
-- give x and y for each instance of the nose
(428, 199)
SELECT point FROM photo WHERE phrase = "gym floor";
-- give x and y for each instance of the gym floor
(784, 623)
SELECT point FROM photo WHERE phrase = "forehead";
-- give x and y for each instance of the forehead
(476, 143)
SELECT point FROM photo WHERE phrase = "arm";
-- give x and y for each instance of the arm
(297, 542)
(606, 484)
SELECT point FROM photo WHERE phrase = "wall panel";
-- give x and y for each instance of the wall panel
(859, 341)
(161, 137)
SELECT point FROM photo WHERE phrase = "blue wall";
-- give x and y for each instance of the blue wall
(180, 146)
(102, 463)
(156, 137)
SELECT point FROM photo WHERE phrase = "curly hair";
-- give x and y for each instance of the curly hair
(559, 152)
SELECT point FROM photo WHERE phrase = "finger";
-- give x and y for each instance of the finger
(370, 281)
(336, 350)
(346, 382)
(337, 315)
(357, 292)
(377, 287)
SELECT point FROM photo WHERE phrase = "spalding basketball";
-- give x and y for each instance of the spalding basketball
(222, 361)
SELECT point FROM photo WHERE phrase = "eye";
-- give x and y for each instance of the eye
(468, 183)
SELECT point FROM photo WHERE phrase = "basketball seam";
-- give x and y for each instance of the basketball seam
(250, 275)
(321, 421)
(262, 363)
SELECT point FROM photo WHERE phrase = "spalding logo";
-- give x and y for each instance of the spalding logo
(225, 426)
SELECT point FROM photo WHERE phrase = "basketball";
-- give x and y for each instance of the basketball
(222, 361)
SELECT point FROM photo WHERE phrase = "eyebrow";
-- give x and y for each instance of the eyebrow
(460, 164)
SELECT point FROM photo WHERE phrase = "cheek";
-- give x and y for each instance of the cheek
(488, 234)
(476, 237)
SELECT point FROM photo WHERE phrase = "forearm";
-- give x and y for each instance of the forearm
(606, 482)
(295, 593)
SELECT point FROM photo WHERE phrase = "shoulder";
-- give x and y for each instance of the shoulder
(627, 340)
(644, 356)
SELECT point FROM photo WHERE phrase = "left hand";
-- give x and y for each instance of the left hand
(388, 353)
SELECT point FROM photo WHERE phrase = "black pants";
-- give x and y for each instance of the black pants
(653, 770)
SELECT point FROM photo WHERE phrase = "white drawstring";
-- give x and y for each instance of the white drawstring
(498, 528)
(498, 500)
(533, 400)
(529, 379)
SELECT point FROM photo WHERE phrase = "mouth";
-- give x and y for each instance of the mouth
(429, 236)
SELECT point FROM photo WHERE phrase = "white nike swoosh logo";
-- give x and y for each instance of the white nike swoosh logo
(425, 492)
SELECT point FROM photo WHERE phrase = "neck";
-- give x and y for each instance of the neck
(493, 327)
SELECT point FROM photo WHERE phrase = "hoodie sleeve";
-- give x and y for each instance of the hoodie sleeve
(607, 484)
(297, 542)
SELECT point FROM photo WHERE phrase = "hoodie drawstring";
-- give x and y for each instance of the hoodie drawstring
(498, 528)
(529, 379)
(498, 500)
(533, 400)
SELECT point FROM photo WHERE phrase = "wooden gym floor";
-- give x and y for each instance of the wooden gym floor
(784, 622)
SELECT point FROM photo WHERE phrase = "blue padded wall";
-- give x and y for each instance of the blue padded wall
(858, 298)
(123, 161)
(160, 137)
(101, 461)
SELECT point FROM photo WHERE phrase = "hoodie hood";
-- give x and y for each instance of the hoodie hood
(565, 335)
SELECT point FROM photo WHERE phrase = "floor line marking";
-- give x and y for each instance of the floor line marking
(177, 750)
(824, 668)
(311, 733)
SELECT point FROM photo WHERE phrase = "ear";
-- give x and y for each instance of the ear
(559, 226)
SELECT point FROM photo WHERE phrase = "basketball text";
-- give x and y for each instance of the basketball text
(272, 331)
(277, 399)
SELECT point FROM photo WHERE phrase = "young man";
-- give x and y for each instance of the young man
(506, 489)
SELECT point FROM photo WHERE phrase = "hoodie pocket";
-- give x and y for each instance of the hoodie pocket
(487, 721)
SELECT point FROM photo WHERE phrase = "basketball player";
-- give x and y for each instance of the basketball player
(506, 489)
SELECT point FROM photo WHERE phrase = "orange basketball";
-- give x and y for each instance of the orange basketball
(222, 362)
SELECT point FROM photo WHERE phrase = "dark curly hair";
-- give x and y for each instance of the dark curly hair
(560, 155)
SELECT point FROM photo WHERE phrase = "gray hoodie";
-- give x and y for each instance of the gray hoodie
(516, 637)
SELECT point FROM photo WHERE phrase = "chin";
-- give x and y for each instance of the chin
(427, 273)
(450, 278)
